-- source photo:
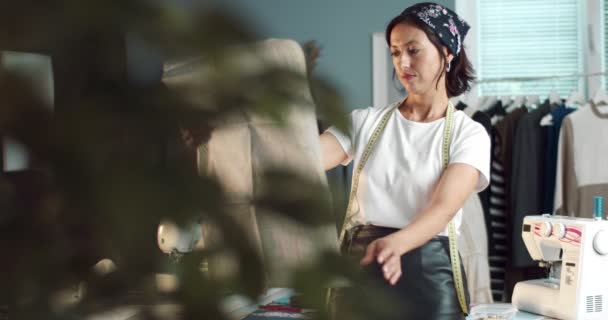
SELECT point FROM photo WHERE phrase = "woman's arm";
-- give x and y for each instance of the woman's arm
(456, 184)
(332, 153)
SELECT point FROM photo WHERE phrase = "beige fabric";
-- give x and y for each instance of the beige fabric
(228, 156)
(473, 247)
(243, 147)
(582, 172)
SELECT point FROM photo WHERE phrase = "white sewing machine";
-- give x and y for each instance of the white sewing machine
(575, 250)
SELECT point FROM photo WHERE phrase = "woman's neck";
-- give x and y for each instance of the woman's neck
(425, 108)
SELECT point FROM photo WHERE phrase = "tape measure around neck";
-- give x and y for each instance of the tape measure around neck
(445, 156)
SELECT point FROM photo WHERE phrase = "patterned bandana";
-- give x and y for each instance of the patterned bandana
(447, 25)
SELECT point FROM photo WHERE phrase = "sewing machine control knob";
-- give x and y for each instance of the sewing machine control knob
(545, 229)
(600, 242)
(560, 230)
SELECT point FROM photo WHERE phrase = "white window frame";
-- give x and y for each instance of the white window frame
(592, 34)
(595, 44)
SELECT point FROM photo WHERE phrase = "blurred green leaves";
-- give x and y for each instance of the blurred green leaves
(101, 176)
(299, 198)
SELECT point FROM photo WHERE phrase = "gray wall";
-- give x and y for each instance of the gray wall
(342, 27)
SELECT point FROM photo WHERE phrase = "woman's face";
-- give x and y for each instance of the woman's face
(416, 60)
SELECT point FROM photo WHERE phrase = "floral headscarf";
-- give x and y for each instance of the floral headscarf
(447, 25)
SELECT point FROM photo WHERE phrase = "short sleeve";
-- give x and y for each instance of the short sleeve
(347, 139)
(472, 146)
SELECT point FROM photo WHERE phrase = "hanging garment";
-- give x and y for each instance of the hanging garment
(474, 239)
(497, 223)
(502, 145)
(581, 162)
(494, 208)
(486, 121)
(243, 146)
(527, 179)
(506, 129)
(553, 130)
(473, 249)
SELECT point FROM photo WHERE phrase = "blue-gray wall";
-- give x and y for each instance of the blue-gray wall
(342, 27)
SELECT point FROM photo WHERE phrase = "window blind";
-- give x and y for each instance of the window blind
(529, 38)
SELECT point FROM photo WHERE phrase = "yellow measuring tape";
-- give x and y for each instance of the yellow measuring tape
(454, 256)
(445, 154)
(350, 213)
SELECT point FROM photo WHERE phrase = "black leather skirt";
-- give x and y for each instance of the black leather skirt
(425, 290)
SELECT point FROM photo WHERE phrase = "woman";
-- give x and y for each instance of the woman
(403, 195)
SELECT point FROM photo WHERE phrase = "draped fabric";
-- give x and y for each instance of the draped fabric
(243, 147)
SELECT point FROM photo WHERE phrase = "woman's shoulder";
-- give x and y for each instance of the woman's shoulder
(465, 126)
(371, 112)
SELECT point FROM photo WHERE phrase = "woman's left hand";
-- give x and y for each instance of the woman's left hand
(387, 252)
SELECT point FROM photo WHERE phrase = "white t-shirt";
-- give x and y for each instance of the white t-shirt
(406, 163)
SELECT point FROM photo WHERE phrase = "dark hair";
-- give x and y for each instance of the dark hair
(458, 79)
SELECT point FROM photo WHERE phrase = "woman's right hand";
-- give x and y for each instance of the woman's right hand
(387, 253)
(332, 153)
